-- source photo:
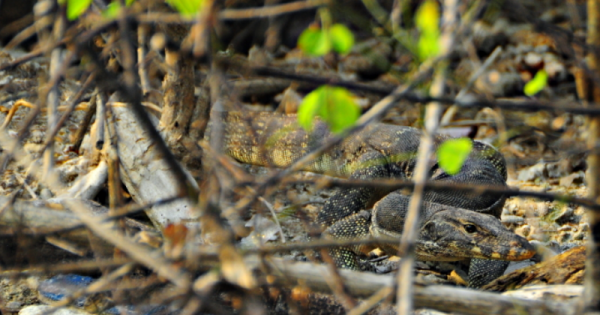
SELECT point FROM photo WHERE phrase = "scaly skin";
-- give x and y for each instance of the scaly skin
(389, 151)
(445, 233)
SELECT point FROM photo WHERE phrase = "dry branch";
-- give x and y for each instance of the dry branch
(147, 177)
(443, 298)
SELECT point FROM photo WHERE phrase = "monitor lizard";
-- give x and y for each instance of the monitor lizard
(455, 225)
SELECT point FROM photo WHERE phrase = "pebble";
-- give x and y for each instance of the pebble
(533, 172)
(512, 219)
(13, 306)
(524, 230)
(533, 60)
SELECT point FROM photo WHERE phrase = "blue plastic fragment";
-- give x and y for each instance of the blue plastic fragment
(60, 286)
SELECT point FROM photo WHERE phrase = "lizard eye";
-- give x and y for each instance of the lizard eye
(470, 228)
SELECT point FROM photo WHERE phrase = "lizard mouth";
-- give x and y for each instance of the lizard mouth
(515, 250)
(509, 254)
(519, 249)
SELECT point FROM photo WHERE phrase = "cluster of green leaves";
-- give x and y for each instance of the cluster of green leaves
(317, 41)
(335, 105)
(75, 8)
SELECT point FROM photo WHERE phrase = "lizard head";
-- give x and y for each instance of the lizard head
(455, 234)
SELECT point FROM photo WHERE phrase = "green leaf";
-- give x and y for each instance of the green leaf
(187, 8)
(75, 8)
(314, 41)
(309, 108)
(428, 17)
(538, 83)
(342, 38)
(335, 105)
(427, 20)
(342, 111)
(112, 10)
(428, 46)
(453, 153)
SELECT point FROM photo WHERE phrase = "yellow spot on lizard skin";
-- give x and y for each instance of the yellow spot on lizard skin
(496, 255)
(282, 157)
(255, 154)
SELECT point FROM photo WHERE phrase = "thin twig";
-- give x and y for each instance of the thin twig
(98, 142)
(528, 105)
(372, 301)
(432, 118)
(451, 111)
(85, 123)
(235, 14)
(70, 108)
(274, 214)
(270, 11)
(141, 55)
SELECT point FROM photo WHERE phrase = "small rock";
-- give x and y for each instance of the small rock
(290, 101)
(512, 219)
(558, 169)
(559, 123)
(533, 172)
(515, 265)
(565, 228)
(556, 70)
(541, 210)
(564, 216)
(264, 230)
(575, 178)
(565, 236)
(533, 60)
(524, 230)
(579, 236)
(499, 84)
(13, 306)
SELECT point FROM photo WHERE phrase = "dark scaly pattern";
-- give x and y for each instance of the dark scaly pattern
(384, 151)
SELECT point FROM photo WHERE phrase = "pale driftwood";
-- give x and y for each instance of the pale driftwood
(35, 215)
(556, 292)
(566, 268)
(146, 175)
(443, 298)
(88, 186)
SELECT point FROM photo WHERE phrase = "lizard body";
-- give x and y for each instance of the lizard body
(384, 151)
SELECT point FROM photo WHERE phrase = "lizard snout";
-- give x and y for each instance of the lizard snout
(520, 249)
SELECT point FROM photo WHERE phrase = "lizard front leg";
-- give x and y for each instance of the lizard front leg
(346, 202)
(354, 226)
